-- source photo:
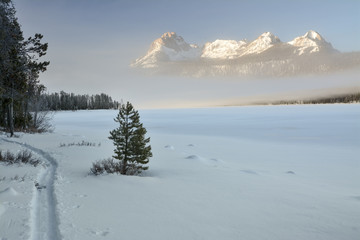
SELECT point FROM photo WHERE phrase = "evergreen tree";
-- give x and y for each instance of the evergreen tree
(129, 139)
(19, 70)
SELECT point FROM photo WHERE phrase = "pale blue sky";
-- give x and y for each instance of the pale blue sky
(97, 39)
(196, 21)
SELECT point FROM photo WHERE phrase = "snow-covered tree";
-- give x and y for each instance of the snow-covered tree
(131, 145)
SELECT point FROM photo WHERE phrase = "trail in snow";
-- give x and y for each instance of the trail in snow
(44, 220)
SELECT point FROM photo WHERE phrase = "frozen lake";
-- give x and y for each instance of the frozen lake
(260, 172)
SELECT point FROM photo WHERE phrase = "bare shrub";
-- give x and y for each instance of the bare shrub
(80, 144)
(105, 166)
(42, 122)
(22, 157)
(113, 166)
(97, 168)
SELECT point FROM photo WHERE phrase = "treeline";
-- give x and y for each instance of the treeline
(344, 98)
(71, 101)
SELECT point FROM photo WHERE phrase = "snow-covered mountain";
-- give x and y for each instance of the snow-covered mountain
(262, 43)
(231, 49)
(266, 55)
(173, 48)
(223, 49)
(311, 42)
(169, 47)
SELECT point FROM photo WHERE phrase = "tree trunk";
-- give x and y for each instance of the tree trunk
(3, 112)
(26, 107)
(123, 167)
(35, 120)
(11, 117)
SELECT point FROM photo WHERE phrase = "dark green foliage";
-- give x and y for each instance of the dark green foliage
(19, 71)
(131, 146)
(71, 101)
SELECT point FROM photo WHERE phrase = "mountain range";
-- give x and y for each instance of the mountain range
(265, 56)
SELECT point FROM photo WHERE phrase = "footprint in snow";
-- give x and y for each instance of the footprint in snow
(211, 162)
(169, 147)
(215, 160)
(249, 171)
(80, 195)
(192, 157)
(100, 233)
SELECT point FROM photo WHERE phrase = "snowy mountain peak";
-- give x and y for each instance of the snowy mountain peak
(170, 40)
(231, 49)
(313, 35)
(268, 38)
(262, 43)
(223, 49)
(169, 35)
(169, 47)
(311, 42)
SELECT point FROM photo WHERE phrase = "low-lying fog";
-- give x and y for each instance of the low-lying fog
(173, 92)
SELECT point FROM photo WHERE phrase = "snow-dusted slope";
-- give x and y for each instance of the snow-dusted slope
(223, 49)
(231, 49)
(169, 47)
(261, 44)
(309, 43)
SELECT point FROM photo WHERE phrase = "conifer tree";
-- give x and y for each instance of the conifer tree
(19, 69)
(131, 146)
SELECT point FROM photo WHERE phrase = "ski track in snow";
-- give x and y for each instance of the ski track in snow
(43, 214)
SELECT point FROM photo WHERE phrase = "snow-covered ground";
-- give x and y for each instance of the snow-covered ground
(264, 172)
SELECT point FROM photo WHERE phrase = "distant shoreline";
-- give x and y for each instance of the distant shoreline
(351, 98)
(346, 98)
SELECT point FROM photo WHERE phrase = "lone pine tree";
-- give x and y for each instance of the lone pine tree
(131, 147)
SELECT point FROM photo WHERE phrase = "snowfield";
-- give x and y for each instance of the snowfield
(252, 173)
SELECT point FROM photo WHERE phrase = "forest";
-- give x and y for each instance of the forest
(72, 101)
(341, 98)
